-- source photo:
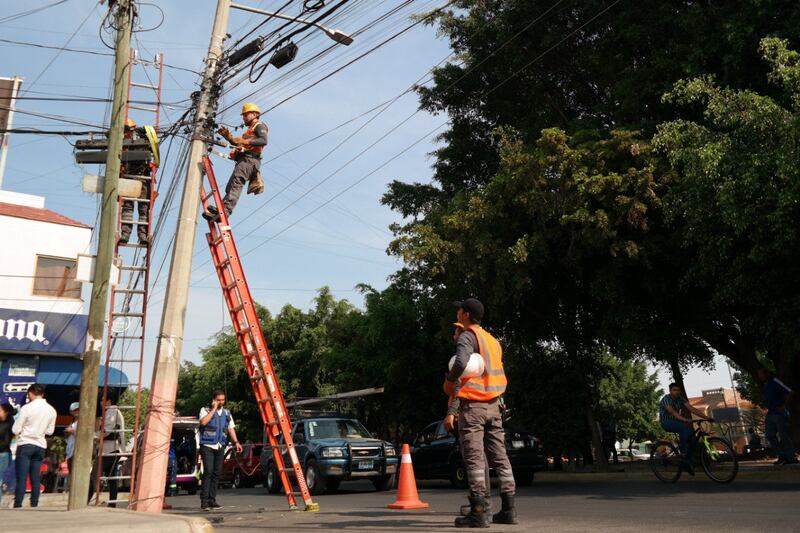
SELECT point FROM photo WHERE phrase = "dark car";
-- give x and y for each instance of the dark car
(436, 455)
(333, 449)
(242, 470)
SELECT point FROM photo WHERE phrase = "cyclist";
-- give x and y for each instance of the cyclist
(669, 414)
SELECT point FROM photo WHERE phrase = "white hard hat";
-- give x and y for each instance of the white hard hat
(74, 406)
(475, 366)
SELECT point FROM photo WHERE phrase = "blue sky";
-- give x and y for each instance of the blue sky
(340, 245)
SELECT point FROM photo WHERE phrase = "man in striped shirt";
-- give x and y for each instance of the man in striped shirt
(669, 413)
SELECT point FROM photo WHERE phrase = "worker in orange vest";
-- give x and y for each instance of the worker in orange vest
(247, 154)
(480, 419)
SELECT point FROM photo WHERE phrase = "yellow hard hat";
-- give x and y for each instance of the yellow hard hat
(250, 107)
(130, 123)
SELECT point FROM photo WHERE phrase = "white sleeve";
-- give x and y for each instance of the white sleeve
(231, 425)
(51, 427)
(203, 412)
(16, 429)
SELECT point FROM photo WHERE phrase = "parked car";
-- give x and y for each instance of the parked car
(436, 455)
(186, 442)
(333, 449)
(631, 455)
(242, 470)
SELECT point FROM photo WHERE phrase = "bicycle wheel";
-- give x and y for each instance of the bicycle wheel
(719, 459)
(665, 461)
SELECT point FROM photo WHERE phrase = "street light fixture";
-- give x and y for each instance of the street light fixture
(336, 35)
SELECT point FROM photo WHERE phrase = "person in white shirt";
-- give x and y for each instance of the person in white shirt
(74, 409)
(36, 419)
(112, 445)
(216, 423)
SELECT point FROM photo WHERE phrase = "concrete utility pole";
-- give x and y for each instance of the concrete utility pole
(84, 438)
(152, 474)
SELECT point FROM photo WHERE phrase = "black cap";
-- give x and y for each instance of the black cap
(473, 306)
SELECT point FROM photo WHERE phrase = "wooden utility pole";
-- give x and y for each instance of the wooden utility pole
(151, 475)
(84, 439)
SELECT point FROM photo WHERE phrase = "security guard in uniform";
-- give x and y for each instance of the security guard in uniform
(247, 154)
(480, 420)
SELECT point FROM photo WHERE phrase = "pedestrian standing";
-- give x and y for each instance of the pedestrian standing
(7, 413)
(70, 431)
(36, 420)
(111, 446)
(776, 426)
(480, 421)
(216, 423)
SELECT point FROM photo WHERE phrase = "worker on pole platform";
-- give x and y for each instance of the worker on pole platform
(247, 154)
(476, 401)
(139, 168)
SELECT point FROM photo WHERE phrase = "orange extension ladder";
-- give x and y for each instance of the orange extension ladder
(253, 344)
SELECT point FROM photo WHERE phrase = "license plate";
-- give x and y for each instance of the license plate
(518, 444)
(365, 465)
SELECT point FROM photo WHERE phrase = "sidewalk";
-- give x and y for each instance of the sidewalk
(98, 519)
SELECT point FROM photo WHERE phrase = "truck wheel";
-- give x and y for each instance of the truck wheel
(458, 474)
(273, 481)
(314, 480)
(238, 480)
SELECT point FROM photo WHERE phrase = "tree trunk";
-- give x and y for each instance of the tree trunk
(600, 459)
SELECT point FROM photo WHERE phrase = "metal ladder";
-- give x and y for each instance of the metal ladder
(253, 344)
(128, 303)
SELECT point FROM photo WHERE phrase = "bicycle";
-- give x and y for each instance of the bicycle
(716, 455)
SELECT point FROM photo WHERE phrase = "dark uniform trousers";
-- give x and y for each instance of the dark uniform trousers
(480, 432)
(246, 169)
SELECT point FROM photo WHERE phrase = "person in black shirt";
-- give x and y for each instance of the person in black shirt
(7, 412)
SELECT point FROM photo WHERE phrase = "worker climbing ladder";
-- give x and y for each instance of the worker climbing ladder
(129, 297)
(252, 342)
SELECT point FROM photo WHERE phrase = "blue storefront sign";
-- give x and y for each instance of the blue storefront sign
(39, 332)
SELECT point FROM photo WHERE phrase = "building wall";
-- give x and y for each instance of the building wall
(21, 240)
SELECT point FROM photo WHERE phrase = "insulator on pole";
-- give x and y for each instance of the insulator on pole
(248, 50)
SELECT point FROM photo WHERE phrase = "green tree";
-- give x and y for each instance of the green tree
(734, 206)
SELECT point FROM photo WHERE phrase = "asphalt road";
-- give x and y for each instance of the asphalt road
(553, 503)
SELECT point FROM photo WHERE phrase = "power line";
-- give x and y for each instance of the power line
(22, 14)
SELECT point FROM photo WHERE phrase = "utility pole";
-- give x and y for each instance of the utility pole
(151, 475)
(84, 439)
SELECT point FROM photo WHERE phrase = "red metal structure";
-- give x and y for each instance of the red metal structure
(253, 345)
(128, 303)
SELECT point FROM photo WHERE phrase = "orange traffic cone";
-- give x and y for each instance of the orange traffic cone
(407, 497)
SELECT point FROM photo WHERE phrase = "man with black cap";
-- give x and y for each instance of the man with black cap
(480, 421)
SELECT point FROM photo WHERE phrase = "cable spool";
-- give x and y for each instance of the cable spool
(475, 366)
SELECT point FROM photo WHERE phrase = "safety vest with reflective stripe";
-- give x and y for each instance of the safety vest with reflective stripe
(251, 134)
(492, 383)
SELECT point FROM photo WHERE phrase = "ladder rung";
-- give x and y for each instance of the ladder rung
(143, 108)
(123, 313)
(132, 337)
(207, 196)
(132, 267)
(140, 223)
(112, 478)
(225, 262)
(123, 454)
(124, 361)
(216, 241)
(134, 199)
(130, 291)
(132, 245)
(229, 286)
(143, 85)
(237, 308)
(118, 501)
(137, 177)
(244, 331)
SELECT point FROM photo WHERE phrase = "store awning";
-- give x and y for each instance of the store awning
(67, 372)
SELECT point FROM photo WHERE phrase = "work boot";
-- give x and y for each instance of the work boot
(477, 516)
(211, 214)
(465, 509)
(143, 237)
(123, 239)
(507, 514)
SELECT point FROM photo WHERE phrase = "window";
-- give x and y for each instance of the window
(56, 277)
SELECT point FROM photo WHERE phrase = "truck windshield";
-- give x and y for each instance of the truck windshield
(336, 429)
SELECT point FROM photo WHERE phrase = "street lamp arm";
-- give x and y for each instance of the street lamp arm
(336, 35)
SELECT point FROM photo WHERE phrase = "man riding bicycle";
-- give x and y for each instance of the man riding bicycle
(669, 414)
